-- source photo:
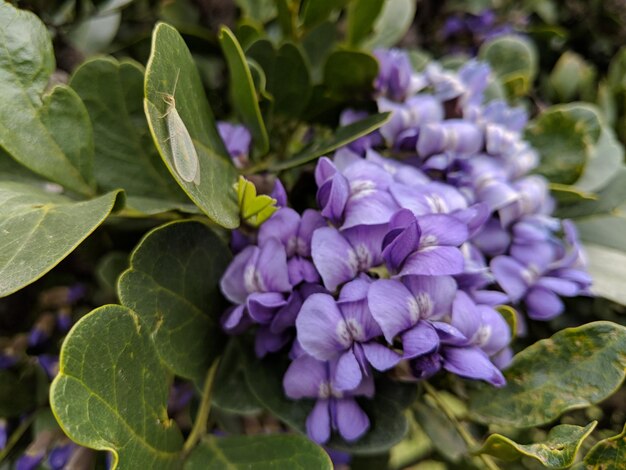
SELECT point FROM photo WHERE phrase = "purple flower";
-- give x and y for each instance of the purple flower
(335, 409)
(340, 256)
(295, 233)
(4, 433)
(402, 129)
(50, 364)
(29, 461)
(541, 272)
(344, 330)
(424, 245)
(356, 195)
(395, 76)
(60, 456)
(406, 308)
(256, 281)
(362, 144)
(237, 140)
(452, 135)
(279, 193)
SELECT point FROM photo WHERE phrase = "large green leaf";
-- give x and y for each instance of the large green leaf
(608, 454)
(572, 77)
(314, 12)
(444, 437)
(385, 411)
(230, 391)
(242, 92)
(564, 135)
(343, 136)
(258, 453)
(287, 74)
(361, 17)
(575, 368)
(557, 451)
(172, 71)
(607, 268)
(259, 10)
(111, 391)
(39, 229)
(48, 133)
(604, 160)
(125, 154)
(172, 284)
(392, 23)
(350, 73)
(514, 61)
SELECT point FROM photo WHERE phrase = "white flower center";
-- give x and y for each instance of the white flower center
(420, 306)
(349, 331)
(361, 188)
(436, 203)
(252, 280)
(359, 258)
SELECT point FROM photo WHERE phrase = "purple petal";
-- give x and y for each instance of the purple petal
(332, 197)
(348, 374)
(324, 170)
(352, 422)
(367, 242)
(424, 367)
(272, 266)
(449, 335)
(494, 334)
(441, 229)
(279, 193)
(373, 209)
(362, 325)
(232, 282)
(304, 377)
(283, 225)
(563, 287)
(419, 340)
(301, 270)
(333, 257)
(235, 321)
(401, 240)
(318, 422)
(390, 303)
(380, 357)
(465, 315)
(311, 221)
(472, 363)
(318, 326)
(433, 294)
(508, 273)
(262, 306)
(434, 261)
(266, 341)
(543, 304)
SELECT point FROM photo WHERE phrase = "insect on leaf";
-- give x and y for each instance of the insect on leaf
(183, 152)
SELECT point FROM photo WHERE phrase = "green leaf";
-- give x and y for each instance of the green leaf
(171, 66)
(317, 44)
(109, 268)
(392, 23)
(444, 437)
(17, 391)
(125, 154)
(557, 451)
(361, 17)
(258, 453)
(510, 317)
(230, 390)
(608, 454)
(314, 12)
(575, 368)
(564, 136)
(39, 229)
(607, 268)
(385, 411)
(343, 136)
(259, 10)
(172, 285)
(572, 77)
(243, 94)
(111, 391)
(514, 61)
(287, 74)
(604, 160)
(350, 73)
(32, 122)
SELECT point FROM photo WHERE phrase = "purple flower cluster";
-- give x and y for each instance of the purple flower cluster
(422, 229)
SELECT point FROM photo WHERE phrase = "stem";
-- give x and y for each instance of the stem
(200, 423)
(16, 435)
(464, 433)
